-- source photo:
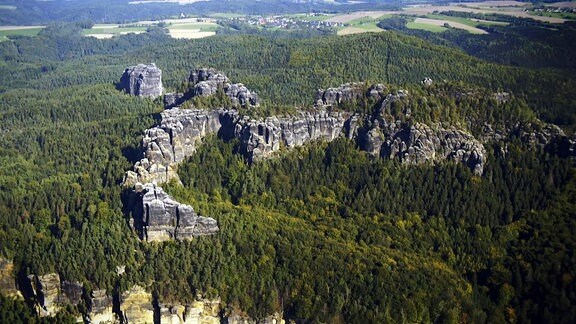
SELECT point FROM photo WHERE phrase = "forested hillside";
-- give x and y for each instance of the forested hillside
(324, 233)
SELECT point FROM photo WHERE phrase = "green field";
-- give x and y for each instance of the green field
(360, 25)
(427, 27)
(21, 32)
(200, 26)
(465, 21)
(226, 15)
(367, 21)
(119, 30)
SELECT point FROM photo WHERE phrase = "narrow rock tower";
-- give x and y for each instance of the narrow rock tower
(142, 80)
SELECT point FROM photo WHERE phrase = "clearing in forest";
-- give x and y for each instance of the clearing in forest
(177, 28)
(454, 24)
(360, 14)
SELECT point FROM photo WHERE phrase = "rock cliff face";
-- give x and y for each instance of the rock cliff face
(7, 281)
(136, 306)
(388, 132)
(47, 293)
(260, 138)
(177, 137)
(100, 307)
(182, 130)
(420, 143)
(416, 143)
(158, 217)
(275, 318)
(344, 93)
(201, 311)
(206, 82)
(142, 80)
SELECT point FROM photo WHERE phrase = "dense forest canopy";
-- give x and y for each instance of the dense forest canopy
(324, 233)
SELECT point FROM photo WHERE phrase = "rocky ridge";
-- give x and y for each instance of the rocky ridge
(156, 216)
(388, 131)
(206, 82)
(415, 142)
(50, 294)
(182, 130)
(135, 305)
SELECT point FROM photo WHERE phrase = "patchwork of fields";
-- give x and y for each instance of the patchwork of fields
(425, 17)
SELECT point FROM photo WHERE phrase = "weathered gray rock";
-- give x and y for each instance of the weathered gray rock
(72, 292)
(177, 137)
(100, 307)
(236, 318)
(419, 143)
(258, 139)
(142, 80)
(206, 82)
(182, 130)
(46, 290)
(158, 217)
(389, 133)
(173, 99)
(344, 93)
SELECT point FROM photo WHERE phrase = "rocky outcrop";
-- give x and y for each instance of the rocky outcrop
(136, 306)
(173, 99)
(71, 292)
(420, 143)
(100, 307)
(206, 82)
(201, 311)
(158, 217)
(260, 138)
(142, 80)
(182, 130)
(275, 318)
(345, 93)
(177, 137)
(47, 293)
(7, 279)
(387, 135)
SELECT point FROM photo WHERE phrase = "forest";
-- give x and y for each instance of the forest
(324, 233)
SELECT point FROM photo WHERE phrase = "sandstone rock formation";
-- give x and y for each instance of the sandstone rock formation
(206, 82)
(100, 307)
(260, 138)
(420, 143)
(7, 280)
(136, 306)
(275, 318)
(173, 99)
(47, 293)
(142, 80)
(182, 130)
(177, 137)
(344, 93)
(158, 217)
